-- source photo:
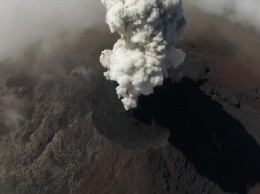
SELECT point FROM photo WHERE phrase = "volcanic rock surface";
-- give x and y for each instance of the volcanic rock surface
(198, 133)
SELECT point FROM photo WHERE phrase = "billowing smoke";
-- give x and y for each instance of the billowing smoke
(148, 31)
(244, 12)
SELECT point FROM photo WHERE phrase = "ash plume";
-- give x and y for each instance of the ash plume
(148, 31)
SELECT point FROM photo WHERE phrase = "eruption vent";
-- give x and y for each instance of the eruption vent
(148, 31)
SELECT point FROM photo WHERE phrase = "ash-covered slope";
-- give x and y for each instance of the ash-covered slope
(58, 140)
(194, 135)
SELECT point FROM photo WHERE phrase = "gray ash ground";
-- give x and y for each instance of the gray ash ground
(198, 133)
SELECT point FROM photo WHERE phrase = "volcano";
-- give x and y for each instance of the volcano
(197, 133)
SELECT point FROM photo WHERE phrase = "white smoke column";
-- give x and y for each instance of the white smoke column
(140, 58)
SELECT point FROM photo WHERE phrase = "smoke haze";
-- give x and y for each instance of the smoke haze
(42, 41)
(10, 112)
(229, 32)
(26, 22)
(245, 12)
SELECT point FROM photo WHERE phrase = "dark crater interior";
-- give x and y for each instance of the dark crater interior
(123, 127)
(216, 144)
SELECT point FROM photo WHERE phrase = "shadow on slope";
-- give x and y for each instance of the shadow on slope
(215, 143)
(118, 125)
